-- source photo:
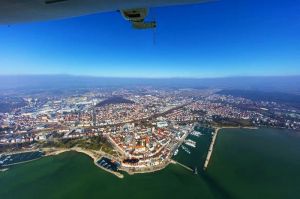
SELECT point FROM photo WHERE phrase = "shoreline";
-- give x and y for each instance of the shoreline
(95, 157)
(18, 152)
(151, 170)
(9, 165)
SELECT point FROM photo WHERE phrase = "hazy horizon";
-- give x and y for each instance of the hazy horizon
(264, 83)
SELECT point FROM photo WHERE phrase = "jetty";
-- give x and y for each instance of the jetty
(211, 148)
(184, 166)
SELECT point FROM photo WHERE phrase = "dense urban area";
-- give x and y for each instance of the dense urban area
(134, 129)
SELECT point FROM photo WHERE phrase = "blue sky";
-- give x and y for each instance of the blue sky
(223, 38)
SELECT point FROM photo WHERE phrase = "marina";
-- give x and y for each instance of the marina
(196, 157)
(108, 164)
(12, 159)
(190, 143)
(186, 149)
(196, 133)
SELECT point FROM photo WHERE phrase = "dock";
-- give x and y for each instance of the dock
(211, 148)
(113, 170)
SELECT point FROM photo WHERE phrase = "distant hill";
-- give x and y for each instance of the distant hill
(114, 100)
(280, 97)
(290, 84)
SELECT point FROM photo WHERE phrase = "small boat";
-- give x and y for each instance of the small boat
(185, 149)
(190, 142)
(176, 152)
(101, 162)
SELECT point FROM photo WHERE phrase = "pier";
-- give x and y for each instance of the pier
(184, 166)
(211, 148)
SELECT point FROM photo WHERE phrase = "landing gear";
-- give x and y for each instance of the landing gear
(137, 18)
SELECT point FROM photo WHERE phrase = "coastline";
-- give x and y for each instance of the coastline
(6, 167)
(92, 154)
(146, 170)
(96, 155)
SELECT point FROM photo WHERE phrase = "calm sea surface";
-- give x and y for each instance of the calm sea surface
(262, 163)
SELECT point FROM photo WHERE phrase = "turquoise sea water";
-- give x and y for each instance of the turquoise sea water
(260, 163)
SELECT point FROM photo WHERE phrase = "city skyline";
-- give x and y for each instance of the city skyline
(217, 39)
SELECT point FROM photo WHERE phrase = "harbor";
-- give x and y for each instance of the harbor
(190, 143)
(110, 166)
(77, 167)
(7, 160)
(194, 146)
(188, 148)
